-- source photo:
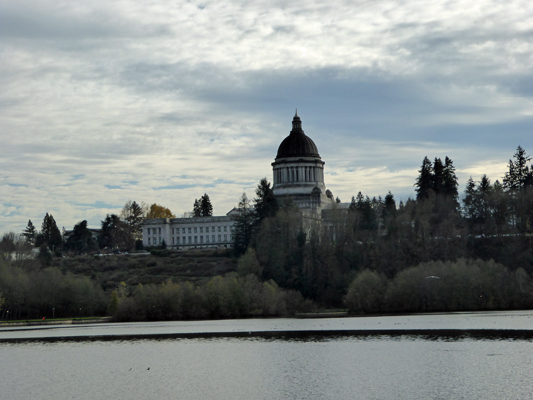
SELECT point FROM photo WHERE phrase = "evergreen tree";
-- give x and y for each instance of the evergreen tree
(449, 184)
(206, 208)
(424, 182)
(519, 175)
(469, 200)
(50, 233)
(30, 233)
(197, 208)
(111, 226)
(265, 204)
(389, 215)
(133, 215)
(437, 176)
(353, 205)
(81, 240)
(242, 229)
(518, 182)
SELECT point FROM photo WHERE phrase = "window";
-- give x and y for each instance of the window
(160, 231)
(206, 229)
(189, 230)
(220, 238)
(201, 239)
(219, 228)
(207, 238)
(196, 239)
(183, 230)
(201, 229)
(190, 239)
(148, 241)
(225, 228)
(195, 229)
(225, 237)
(213, 237)
(173, 239)
(172, 230)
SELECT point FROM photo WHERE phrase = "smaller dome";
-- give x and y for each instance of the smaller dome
(297, 144)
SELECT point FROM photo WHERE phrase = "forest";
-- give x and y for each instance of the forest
(439, 251)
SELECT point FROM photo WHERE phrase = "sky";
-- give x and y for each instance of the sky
(103, 102)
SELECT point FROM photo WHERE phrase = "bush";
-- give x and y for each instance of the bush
(366, 294)
(230, 296)
(463, 285)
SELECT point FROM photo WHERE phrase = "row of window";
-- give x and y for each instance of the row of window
(200, 239)
(155, 231)
(190, 239)
(201, 228)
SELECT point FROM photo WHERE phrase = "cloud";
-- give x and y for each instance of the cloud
(101, 103)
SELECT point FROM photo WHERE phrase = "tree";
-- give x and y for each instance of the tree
(437, 176)
(242, 229)
(50, 233)
(265, 204)
(30, 233)
(115, 234)
(424, 182)
(449, 184)
(206, 208)
(157, 211)
(518, 182)
(81, 239)
(519, 175)
(389, 215)
(133, 215)
(197, 208)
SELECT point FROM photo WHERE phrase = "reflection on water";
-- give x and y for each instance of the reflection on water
(257, 368)
(271, 364)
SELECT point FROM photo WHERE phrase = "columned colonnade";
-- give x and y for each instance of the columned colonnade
(298, 173)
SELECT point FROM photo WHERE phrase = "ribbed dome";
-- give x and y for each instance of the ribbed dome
(297, 144)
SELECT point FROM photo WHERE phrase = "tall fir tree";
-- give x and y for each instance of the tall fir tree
(206, 208)
(197, 208)
(519, 175)
(242, 229)
(424, 182)
(265, 204)
(50, 234)
(30, 233)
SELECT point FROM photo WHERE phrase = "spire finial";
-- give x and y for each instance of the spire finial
(296, 122)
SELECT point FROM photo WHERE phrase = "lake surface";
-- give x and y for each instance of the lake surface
(451, 356)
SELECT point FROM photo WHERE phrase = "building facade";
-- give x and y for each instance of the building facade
(189, 233)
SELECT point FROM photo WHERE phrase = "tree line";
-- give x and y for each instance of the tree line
(490, 222)
(274, 242)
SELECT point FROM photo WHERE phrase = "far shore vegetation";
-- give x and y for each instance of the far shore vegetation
(440, 251)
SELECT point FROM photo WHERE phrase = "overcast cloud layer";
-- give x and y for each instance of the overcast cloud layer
(105, 102)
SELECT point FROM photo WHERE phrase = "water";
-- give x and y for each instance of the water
(332, 362)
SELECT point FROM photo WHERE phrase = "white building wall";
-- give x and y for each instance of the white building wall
(185, 233)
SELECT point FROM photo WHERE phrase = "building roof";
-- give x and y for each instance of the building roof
(297, 144)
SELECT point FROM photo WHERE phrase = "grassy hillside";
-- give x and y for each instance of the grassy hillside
(194, 266)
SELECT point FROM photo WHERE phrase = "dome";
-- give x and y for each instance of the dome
(297, 144)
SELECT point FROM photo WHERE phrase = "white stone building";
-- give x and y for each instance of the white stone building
(189, 233)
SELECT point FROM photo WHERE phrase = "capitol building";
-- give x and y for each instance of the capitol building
(298, 175)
